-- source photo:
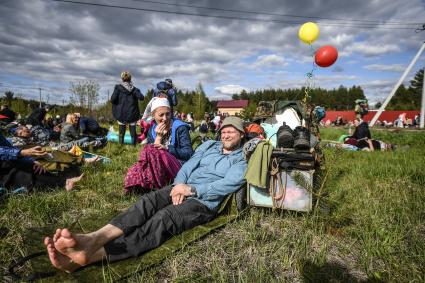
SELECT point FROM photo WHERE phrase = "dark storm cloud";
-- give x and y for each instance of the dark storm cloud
(64, 42)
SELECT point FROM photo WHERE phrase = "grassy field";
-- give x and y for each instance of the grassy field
(368, 226)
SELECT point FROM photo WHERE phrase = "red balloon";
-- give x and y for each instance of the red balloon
(326, 56)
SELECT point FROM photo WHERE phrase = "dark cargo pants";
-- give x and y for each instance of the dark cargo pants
(151, 221)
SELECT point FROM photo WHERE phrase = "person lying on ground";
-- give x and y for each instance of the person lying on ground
(25, 138)
(37, 135)
(168, 147)
(214, 171)
(20, 168)
(362, 138)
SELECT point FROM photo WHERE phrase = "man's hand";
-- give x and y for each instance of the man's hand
(38, 168)
(179, 193)
(36, 151)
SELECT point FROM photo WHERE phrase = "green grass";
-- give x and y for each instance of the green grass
(369, 225)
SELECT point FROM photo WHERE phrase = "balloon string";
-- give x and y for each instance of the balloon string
(309, 78)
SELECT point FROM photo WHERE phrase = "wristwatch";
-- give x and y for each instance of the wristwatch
(193, 191)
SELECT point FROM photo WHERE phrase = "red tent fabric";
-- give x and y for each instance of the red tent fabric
(388, 116)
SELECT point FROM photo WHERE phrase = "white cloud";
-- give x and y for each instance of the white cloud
(388, 68)
(220, 97)
(378, 83)
(371, 49)
(230, 89)
(271, 60)
(341, 39)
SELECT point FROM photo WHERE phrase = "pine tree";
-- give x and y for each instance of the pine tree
(417, 83)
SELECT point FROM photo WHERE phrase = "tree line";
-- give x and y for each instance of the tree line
(85, 95)
(408, 98)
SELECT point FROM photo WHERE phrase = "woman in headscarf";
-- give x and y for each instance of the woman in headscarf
(125, 106)
(168, 147)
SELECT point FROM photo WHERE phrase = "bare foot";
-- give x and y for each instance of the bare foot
(59, 260)
(69, 185)
(76, 247)
(92, 159)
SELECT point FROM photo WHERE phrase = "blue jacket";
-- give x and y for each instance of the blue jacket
(181, 146)
(214, 174)
(9, 152)
(171, 92)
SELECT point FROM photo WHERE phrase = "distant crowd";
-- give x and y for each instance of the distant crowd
(401, 122)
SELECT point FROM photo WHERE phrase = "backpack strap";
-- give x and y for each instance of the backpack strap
(276, 180)
(31, 277)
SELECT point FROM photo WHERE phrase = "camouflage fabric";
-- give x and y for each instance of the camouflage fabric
(361, 108)
(265, 109)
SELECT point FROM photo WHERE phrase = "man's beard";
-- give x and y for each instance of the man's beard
(229, 145)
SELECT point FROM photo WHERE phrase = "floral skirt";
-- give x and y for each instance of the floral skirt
(155, 169)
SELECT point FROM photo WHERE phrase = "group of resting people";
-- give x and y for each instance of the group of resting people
(361, 138)
(198, 184)
(181, 188)
(32, 158)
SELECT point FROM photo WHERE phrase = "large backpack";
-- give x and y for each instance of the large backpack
(362, 107)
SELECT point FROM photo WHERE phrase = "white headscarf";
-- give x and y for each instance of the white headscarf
(159, 102)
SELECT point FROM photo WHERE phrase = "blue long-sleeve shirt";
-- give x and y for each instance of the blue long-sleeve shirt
(9, 152)
(213, 174)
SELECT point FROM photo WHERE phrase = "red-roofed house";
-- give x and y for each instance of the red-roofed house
(231, 107)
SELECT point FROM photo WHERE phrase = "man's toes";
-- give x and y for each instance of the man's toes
(66, 233)
(57, 235)
(47, 241)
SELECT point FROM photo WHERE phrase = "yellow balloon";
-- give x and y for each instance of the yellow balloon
(308, 32)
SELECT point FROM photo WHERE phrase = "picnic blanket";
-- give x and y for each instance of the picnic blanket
(121, 270)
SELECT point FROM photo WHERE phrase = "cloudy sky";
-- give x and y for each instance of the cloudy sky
(226, 45)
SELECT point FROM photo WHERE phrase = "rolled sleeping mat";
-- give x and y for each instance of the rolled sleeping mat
(113, 137)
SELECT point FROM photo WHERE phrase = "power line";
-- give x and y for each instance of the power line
(18, 86)
(223, 17)
(280, 15)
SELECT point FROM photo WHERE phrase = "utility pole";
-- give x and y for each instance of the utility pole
(39, 89)
(406, 72)
(421, 122)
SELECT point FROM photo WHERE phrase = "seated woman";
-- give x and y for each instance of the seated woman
(70, 130)
(70, 136)
(168, 147)
(362, 139)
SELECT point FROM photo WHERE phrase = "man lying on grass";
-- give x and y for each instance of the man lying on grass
(214, 171)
